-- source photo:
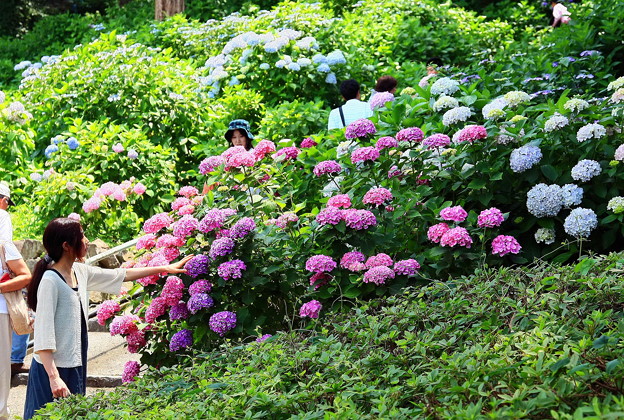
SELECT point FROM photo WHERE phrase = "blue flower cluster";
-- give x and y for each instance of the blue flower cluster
(571, 195)
(580, 222)
(71, 142)
(544, 200)
(585, 170)
(524, 158)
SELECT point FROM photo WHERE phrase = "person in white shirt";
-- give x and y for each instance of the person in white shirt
(560, 14)
(353, 109)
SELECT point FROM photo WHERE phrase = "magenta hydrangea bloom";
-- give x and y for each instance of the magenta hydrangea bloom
(352, 260)
(222, 322)
(231, 270)
(378, 275)
(395, 171)
(436, 232)
(146, 241)
(167, 240)
(504, 244)
(124, 324)
(173, 290)
(180, 202)
(378, 260)
(169, 254)
(221, 247)
(377, 196)
(239, 160)
(490, 218)
(310, 309)
(340, 200)
(198, 265)
(327, 167)
(320, 264)
(456, 214)
(307, 143)
(407, 267)
(106, 310)
(264, 338)
(131, 370)
(210, 164)
(319, 280)
(360, 128)
(157, 222)
(200, 286)
(329, 216)
(139, 188)
(213, 220)
(199, 301)
(234, 150)
(364, 154)
(436, 141)
(135, 340)
(470, 133)
(157, 307)
(181, 340)
(456, 236)
(359, 219)
(284, 219)
(263, 148)
(242, 228)
(380, 99)
(188, 191)
(386, 142)
(179, 311)
(290, 153)
(185, 226)
(411, 134)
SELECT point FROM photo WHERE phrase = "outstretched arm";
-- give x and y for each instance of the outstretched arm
(174, 268)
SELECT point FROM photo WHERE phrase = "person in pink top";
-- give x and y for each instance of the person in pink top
(560, 14)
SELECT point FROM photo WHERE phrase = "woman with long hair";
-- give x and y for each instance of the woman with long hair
(58, 294)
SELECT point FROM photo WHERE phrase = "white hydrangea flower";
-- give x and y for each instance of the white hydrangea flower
(516, 97)
(494, 109)
(616, 84)
(616, 205)
(455, 115)
(444, 102)
(216, 61)
(2, 97)
(576, 105)
(545, 235)
(590, 131)
(618, 96)
(444, 86)
(555, 122)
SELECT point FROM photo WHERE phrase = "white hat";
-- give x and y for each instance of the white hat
(5, 191)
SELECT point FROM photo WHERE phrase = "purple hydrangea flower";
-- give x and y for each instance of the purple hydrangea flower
(231, 270)
(178, 312)
(222, 322)
(360, 128)
(200, 286)
(242, 228)
(407, 267)
(221, 247)
(197, 266)
(327, 167)
(181, 340)
(320, 264)
(199, 301)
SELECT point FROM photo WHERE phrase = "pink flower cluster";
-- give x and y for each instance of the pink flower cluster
(185, 226)
(307, 143)
(124, 324)
(411, 134)
(329, 216)
(117, 192)
(377, 196)
(327, 167)
(283, 220)
(386, 142)
(353, 261)
(131, 370)
(310, 309)
(504, 244)
(360, 128)
(210, 164)
(490, 218)
(359, 219)
(436, 141)
(289, 153)
(407, 267)
(214, 219)
(379, 260)
(380, 99)
(457, 236)
(173, 290)
(378, 275)
(107, 309)
(364, 154)
(435, 232)
(188, 191)
(456, 213)
(470, 133)
(319, 280)
(263, 148)
(157, 222)
(340, 200)
(146, 241)
(157, 307)
(320, 264)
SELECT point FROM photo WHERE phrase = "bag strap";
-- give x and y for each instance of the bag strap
(5, 267)
(342, 118)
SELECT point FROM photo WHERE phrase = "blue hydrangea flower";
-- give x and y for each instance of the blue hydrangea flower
(335, 57)
(524, 158)
(73, 143)
(323, 68)
(571, 195)
(234, 81)
(331, 79)
(585, 170)
(133, 154)
(580, 222)
(294, 67)
(264, 66)
(319, 58)
(57, 139)
(544, 200)
(50, 150)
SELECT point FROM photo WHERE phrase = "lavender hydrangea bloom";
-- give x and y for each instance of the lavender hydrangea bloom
(360, 128)
(222, 322)
(242, 228)
(181, 340)
(580, 222)
(199, 301)
(200, 286)
(221, 247)
(524, 158)
(571, 195)
(544, 200)
(179, 311)
(231, 270)
(585, 170)
(197, 266)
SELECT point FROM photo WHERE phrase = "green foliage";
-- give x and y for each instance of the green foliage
(540, 342)
(16, 137)
(289, 120)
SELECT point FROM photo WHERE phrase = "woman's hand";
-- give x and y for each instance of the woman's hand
(178, 267)
(58, 387)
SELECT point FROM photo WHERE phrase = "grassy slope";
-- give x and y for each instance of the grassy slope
(541, 342)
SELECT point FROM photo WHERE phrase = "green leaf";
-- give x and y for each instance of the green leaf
(549, 172)
(610, 367)
(558, 365)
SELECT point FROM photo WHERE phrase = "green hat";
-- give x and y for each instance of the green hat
(242, 125)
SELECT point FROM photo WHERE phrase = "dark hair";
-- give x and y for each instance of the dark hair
(435, 60)
(57, 232)
(244, 133)
(385, 84)
(349, 89)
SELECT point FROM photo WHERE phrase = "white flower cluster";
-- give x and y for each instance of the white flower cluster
(616, 84)
(524, 158)
(576, 105)
(16, 112)
(590, 131)
(555, 122)
(616, 205)
(571, 195)
(545, 235)
(505, 137)
(455, 115)
(618, 96)
(516, 97)
(585, 170)
(444, 102)
(444, 86)
(580, 222)
(494, 109)
(544, 200)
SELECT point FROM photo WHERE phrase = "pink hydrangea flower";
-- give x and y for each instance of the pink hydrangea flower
(185, 226)
(168, 253)
(456, 236)
(490, 218)
(124, 324)
(386, 142)
(210, 164)
(319, 280)
(283, 220)
(239, 160)
(148, 280)
(329, 216)
(377, 196)
(173, 290)
(157, 222)
(504, 244)
(395, 171)
(436, 232)
(327, 167)
(378, 275)
(188, 209)
(74, 216)
(470, 133)
(179, 203)
(91, 204)
(456, 214)
(131, 371)
(411, 134)
(139, 189)
(436, 141)
(407, 267)
(232, 151)
(289, 153)
(157, 307)
(364, 154)
(119, 194)
(188, 191)
(107, 309)
(340, 200)
(135, 340)
(379, 260)
(320, 264)
(118, 148)
(380, 99)
(310, 309)
(168, 240)
(263, 148)
(359, 219)
(146, 241)
(307, 143)
(352, 260)
(360, 128)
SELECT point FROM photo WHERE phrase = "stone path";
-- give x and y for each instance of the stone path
(107, 356)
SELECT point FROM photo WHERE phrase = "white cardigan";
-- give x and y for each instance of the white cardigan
(57, 320)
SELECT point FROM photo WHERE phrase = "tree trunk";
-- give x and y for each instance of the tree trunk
(166, 8)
